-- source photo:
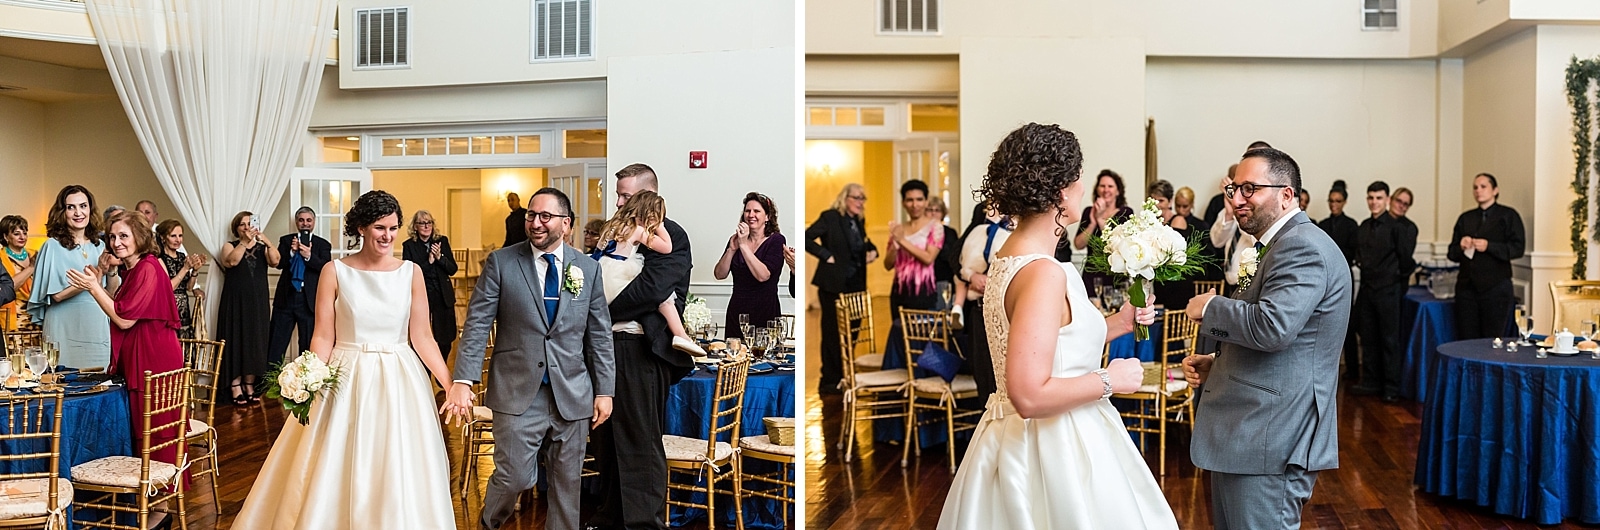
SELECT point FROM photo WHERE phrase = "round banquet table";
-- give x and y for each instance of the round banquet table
(1431, 323)
(1513, 433)
(94, 424)
(765, 395)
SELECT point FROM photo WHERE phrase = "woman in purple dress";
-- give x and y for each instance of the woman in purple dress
(755, 257)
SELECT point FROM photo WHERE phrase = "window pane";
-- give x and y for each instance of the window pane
(529, 145)
(872, 115)
(309, 192)
(844, 116)
(1386, 5)
(416, 146)
(393, 147)
(504, 145)
(935, 117)
(458, 145)
(586, 143)
(1371, 20)
(436, 146)
(822, 115)
(1389, 20)
(336, 149)
(481, 145)
(1370, 4)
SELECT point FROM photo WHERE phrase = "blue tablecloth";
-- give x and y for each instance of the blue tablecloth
(1145, 350)
(1432, 322)
(766, 395)
(93, 426)
(1513, 433)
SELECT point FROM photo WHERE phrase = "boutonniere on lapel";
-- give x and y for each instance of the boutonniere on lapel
(1248, 263)
(574, 282)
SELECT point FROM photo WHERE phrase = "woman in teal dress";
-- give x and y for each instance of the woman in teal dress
(75, 323)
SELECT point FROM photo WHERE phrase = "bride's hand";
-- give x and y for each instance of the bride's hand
(1126, 375)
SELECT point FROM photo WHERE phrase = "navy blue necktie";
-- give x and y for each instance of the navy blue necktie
(551, 296)
(994, 228)
(1259, 246)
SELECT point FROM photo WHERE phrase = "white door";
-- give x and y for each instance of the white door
(330, 192)
(916, 158)
(571, 180)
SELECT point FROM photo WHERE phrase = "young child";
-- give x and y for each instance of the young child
(639, 222)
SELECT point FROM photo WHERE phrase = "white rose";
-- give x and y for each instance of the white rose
(575, 273)
(301, 396)
(1138, 257)
(290, 387)
(1247, 265)
(1176, 248)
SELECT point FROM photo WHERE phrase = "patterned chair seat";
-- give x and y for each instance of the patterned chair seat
(764, 444)
(32, 504)
(122, 472)
(937, 385)
(1173, 387)
(870, 361)
(197, 428)
(883, 378)
(686, 449)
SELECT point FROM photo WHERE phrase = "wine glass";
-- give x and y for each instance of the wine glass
(1524, 323)
(744, 324)
(52, 353)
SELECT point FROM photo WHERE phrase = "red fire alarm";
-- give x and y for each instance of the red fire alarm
(697, 159)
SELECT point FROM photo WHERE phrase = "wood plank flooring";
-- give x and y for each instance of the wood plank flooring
(1371, 489)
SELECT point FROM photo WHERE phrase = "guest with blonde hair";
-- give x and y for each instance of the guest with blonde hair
(838, 239)
(430, 250)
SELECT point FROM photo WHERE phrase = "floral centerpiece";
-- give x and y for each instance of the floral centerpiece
(1143, 250)
(297, 382)
(696, 315)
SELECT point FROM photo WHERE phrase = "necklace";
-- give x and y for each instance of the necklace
(17, 256)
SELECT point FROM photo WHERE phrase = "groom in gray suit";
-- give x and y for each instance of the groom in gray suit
(553, 370)
(1265, 422)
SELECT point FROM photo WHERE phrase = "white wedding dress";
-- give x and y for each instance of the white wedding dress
(1076, 470)
(372, 454)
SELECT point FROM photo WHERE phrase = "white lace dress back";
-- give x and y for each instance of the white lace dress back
(1078, 469)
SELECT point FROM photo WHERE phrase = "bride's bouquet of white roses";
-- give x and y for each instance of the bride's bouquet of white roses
(297, 382)
(1144, 250)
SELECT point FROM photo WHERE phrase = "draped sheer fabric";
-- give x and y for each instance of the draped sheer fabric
(219, 95)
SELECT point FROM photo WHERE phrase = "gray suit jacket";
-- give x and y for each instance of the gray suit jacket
(1269, 399)
(575, 350)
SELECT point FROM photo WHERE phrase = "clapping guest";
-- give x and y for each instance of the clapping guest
(73, 322)
(838, 239)
(430, 250)
(754, 257)
(915, 246)
(143, 318)
(1110, 204)
(242, 312)
(1484, 241)
(181, 269)
(293, 305)
(949, 261)
(19, 265)
(148, 210)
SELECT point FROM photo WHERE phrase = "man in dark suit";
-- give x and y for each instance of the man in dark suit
(838, 239)
(633, 463)
(1266, 421)
(515, 233)
(295, 302)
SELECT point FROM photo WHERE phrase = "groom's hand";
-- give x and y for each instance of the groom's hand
(1197, 305)
(602, 410)
(459, 400)
(1196, 368)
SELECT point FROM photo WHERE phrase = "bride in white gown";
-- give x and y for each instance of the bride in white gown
(1050, 451)
(372, 454)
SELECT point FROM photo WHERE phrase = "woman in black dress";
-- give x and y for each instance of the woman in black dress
(181, 268)
(754, 257)
(430, 250)
(1110, 203)
(243, 312)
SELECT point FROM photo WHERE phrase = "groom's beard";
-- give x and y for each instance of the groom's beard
(1259, 220)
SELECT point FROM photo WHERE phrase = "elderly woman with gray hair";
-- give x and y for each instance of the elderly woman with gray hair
(430, 250)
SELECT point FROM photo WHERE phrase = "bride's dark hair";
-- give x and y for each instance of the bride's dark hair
(1030, 168)
(368, 209)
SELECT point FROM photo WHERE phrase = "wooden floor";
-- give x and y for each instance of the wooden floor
(247, 433)
(1371, 489)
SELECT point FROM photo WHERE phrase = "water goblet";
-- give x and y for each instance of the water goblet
(36, 362)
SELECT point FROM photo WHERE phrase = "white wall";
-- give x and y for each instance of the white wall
(465, 104)
(1094, 87)
(1355, 120)
(92, 143)
(737, 105)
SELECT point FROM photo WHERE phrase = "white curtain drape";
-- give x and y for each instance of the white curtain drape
(220, 95)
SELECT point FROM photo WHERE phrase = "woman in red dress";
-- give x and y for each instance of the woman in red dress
(144, 319)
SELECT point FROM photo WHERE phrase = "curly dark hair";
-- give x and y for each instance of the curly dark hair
(767, 205)
(1030, 168)
(368, 209)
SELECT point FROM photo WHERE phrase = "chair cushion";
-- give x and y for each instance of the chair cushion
(32, 504)
(937, 385)
(684, 449)
(1173, 387)
(122, 472)
(197, 428)
(482, 413)
(764, 444)
(882, 378)
(870, 361)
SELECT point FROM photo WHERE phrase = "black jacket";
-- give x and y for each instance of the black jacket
(436, 275)
(830, 236)
(321, 254)
(1502, 226)
(1343, 231)
(663, 275)
(1384, 250)
(8, 290)
(516, 227)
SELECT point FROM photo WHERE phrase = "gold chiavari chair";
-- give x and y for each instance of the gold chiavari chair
(919, 328)
(148, 480)
(693, 458)
(1201, 286)
(1575, 302)
(197, 312)
(477, 435)
(33, 429)
(204, 359)
(780, 487)
(857, 331)
(868, 394)
(1164, 391)
(16, 341)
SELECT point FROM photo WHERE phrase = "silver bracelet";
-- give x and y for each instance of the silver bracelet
(1105, 379)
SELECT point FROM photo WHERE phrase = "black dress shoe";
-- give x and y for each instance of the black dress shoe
(1363, 390)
